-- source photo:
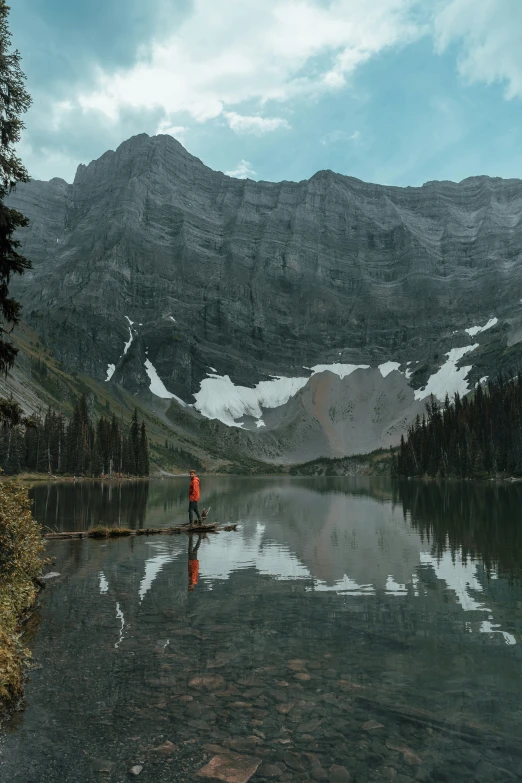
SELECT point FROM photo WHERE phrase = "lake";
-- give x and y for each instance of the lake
(351, 629)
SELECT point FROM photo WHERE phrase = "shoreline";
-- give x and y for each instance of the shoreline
(21, 547)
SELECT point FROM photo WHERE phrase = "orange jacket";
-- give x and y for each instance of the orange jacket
(194, 493)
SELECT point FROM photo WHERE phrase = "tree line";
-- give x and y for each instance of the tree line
(78, 447)
(472, 437)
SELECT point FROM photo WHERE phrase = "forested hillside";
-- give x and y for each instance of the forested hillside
(471, 437)
(51, 444)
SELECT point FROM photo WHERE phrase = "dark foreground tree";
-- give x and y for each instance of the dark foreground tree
(14, 101)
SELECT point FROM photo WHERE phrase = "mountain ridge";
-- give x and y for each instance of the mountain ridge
(155, 265)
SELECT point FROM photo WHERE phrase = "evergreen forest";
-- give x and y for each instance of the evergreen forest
(476, 436)
(79, 447)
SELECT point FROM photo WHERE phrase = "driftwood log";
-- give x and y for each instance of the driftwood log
(120, 532)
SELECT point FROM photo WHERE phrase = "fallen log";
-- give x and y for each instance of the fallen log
(120, 532)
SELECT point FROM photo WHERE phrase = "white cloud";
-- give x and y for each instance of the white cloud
(166, 127)
(222, 56)
(336, 136)
(242, 171)
(489, 32)
(254, 125)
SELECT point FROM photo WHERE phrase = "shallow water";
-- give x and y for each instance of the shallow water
(348, 624)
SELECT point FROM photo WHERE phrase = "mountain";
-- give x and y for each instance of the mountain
(311, 319)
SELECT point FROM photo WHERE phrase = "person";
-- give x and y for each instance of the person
(194, 495)
(193, 563)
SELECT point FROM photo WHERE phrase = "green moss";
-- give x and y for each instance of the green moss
(100, 531)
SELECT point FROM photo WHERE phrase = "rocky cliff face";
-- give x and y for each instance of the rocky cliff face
(153, 270)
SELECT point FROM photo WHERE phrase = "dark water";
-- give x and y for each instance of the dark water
(348, 625)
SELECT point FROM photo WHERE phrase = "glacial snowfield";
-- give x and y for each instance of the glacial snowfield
(219, 398)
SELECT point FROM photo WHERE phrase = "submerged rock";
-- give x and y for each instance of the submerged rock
(372, 724)
(338, 774)
(232, 768)
(209, 682)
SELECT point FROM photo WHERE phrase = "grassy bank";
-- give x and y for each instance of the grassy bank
(21, 545)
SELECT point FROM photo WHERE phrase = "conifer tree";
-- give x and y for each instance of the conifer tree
(14, 101)
(471, 437)
(48, 445)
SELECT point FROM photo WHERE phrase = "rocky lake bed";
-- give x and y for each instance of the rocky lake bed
(326, 640)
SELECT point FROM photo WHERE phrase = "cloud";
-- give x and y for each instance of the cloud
(254, 125)
(242, 171)
(336, 136)
(489, 33)
(178, 131)
(221, 57)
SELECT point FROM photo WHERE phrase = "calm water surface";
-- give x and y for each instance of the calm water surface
(348, 626)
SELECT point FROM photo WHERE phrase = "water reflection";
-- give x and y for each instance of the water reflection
(472, 520)
(83, 504)
(358, 622)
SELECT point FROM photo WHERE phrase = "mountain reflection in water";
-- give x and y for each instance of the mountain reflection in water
(373, 625)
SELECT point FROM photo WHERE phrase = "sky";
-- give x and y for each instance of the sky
(397, 92)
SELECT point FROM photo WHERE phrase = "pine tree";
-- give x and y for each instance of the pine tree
(14, 101)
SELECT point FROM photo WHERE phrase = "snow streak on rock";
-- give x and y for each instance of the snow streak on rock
(157, 386)
(131, 335)
(449, 379)
(473, 330)
(110, 372)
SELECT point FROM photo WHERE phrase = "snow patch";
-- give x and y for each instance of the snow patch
(342, 370)
(448, 379)
(110, 372)
(408, 373)
(260, 423)
(473, 330)
(157, 386)
(173, 319)
(218, 397)
(131, 335)
(388, 367)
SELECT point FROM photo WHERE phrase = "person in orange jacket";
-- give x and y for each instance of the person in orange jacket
(194, 495)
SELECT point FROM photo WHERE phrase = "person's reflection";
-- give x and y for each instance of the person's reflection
(193, 562)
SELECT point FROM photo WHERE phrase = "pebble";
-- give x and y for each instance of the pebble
(372, 724)
(269, 771)
(232, 768)
(135, 770)
(338, 774)
(207, 681)
(166, 748)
